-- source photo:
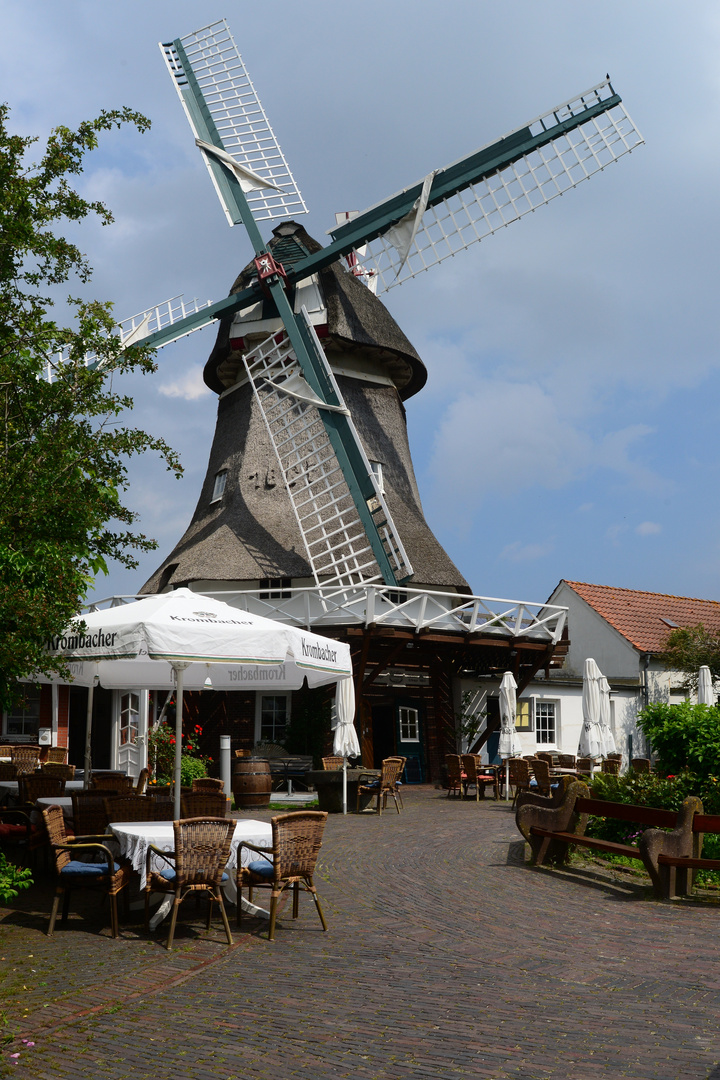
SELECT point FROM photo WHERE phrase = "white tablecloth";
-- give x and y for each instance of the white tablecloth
(135, 837)
(60, 800)
(9, 788)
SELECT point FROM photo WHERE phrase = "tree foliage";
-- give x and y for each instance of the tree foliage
(684, 737)
(64, 445)
(688, 648)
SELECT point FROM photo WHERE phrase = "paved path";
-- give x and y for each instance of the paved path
(447, 956)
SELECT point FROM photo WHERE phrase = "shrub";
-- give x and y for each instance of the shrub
(161, 755)
(12, 879)
(684, 737)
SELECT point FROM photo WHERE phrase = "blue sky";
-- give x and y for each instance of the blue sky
(569, 424)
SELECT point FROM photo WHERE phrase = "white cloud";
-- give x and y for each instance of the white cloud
(648, 528)
(517, 552)
(189, 386)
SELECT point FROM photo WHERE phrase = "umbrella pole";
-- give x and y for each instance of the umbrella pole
(88, 735)
(344, 785)
(178, 669)
(507, 779)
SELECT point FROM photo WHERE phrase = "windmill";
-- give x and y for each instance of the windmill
(347, 529)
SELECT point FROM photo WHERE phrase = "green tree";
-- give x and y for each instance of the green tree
(688, 648)
(64, 447)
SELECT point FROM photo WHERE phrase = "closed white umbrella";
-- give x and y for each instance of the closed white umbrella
(706, 694)
(172, 640)
(509, 744)
(345, 741)
(591, 741)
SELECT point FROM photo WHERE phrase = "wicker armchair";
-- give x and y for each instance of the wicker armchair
(25, 758)
(57, 755)
(142, 782)
(640, 764)
(204, 804)
(455, 774)
(34, 786)
(332, 763)
(73, 873)
(541, 775)
(17, 835)
(478, 774)
(545, 755)
(8, 771)
(611, 767)
(202, 849)
(520, 776)
(62, 772)
(89, 817)
(585, 765)
(208, 783)
(567, 761)
(111, 781)
(392, 768)
(296, 842)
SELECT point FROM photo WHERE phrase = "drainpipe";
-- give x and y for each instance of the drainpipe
(646, 657)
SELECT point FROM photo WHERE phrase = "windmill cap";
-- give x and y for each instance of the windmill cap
(355, 319)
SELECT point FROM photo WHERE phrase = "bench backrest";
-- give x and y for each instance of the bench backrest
(706, 823)
(643, 815)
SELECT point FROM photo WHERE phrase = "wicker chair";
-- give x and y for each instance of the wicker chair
(478, 774)
(545, 755)
(455, 774)
(107, 875)
(211, 804)
(519, 769)
(111, 781)
(208, 783)
(54, 768)
(611, 767)
(89, 817)
(8, 771)
(17, 835)
(332, 763)
(202, 849)
(567, 761)
(131, 808)
(57, 755)
(142, 782)
(392, 768)
(640, 764)
(296, 842)
(25, 758)
(585, 765)
(541, 775)
(38, 786)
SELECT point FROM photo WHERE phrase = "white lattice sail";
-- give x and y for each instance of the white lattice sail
(336, 543)
(239, 118)
(482, 208)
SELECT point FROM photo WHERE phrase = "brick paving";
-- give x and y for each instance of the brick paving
(447, 956)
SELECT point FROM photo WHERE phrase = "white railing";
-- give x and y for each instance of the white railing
(393, 606)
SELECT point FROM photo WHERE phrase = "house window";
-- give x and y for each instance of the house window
(409, 724)
(377, 471)
(275, 588)
(23, 719)
(523, 716)
(273, 717)
(219, 487)
(129, 719)
(546, 722)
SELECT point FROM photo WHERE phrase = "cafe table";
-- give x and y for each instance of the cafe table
(9, 789)
(135, 837)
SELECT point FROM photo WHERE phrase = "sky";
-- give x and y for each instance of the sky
(568, 428)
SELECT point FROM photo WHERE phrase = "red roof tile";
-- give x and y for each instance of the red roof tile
(639, 616)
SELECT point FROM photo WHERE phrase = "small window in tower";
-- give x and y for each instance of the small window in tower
(377, 471)
(219, 488)
(275, 588)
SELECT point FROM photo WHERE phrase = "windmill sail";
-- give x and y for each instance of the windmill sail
(336, 539)
(223, 109)
(498, 184)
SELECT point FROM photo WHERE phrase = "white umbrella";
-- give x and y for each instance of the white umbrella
(606, 734)
(509, 743)
(706, 694)
(180, 638)
(591, 741)
(345, 741)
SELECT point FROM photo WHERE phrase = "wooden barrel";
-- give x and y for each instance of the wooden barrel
(251, 783)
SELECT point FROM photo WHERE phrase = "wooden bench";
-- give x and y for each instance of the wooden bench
(552, 829)
(676, 871)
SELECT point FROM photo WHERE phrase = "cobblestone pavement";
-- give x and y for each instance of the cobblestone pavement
(447, 955)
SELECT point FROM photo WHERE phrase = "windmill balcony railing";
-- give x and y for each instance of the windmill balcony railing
(419, 610)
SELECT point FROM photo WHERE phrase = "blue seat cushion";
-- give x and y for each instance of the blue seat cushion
(86, 870)
(168, 872)
(261, 867)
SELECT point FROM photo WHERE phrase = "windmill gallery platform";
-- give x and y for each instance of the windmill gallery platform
(446, 956)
